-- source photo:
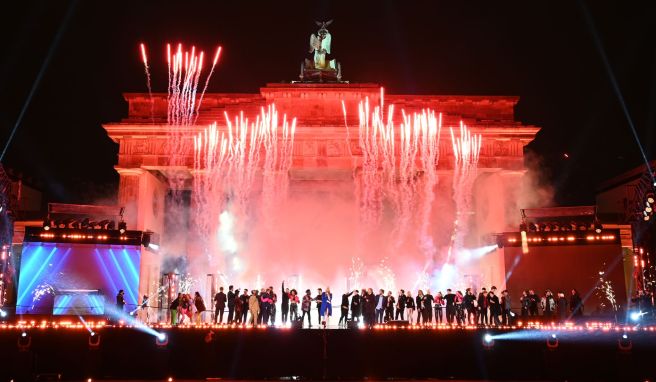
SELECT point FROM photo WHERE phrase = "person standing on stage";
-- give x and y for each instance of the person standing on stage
(505, 308)
(524, 301)
(293, 305)
(173, 309)
(439, 305)
(420, 305)
(266, 300)
(317, 300)
(576, 304)
(495, 307)
(369, 306)
(548, 304)
(326, 307)
(562, 307)
(468, 304)
(344, 309)
(254, 307)
(356, 306)
(306, 307)
(428, 307)
(410, 306)
(244, 305)
(219, 306)
(400, 306)
(389, 306)
(481, 306)
(450, 300)
(238, 307)
(231, 303)
(120, 300)
(200, 307)
(533, 303)
(459, 303)
(274, 301)
(284, 305)
(381, 303)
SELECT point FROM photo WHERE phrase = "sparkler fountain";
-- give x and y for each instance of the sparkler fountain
(270, 198)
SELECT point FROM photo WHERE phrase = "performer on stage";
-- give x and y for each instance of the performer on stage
(231, 304)
(389, 306)
(326, 306)
(306, 307)
(344, 308)
(219, 306)
(284, 306)
(293, 305)
(481, 305)
(356, 306)
(420, 305)
(439, 306)
(410, 306)
(400, 306)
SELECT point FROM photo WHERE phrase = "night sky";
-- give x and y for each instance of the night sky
(542, 51)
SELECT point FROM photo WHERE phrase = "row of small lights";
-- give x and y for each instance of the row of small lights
(556, 239)
(77, 236)
(569, 326)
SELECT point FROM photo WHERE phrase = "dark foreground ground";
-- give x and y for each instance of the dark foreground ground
(288, 354)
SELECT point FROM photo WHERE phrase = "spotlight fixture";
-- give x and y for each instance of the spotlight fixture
(122, 226)
(597, 227)
(650, 198)
(488, 341)
(552, 341)
(46, 224)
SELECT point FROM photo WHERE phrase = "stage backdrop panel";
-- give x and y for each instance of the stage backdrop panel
(563, 268)
(68, 278)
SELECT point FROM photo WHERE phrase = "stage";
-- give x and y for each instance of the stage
(584, 352)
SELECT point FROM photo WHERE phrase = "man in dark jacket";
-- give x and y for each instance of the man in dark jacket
(505, 308)
(284, 305)
(219, 305)
(231, 304)
(482, 307)
(450, 298)
(468, 302)
(400, 306)
(495, 307)
(317, 300)
(244, 305)
(370, 308)
(356, 306)
(533, 302)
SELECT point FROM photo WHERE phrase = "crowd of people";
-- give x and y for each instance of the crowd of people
(485, 307)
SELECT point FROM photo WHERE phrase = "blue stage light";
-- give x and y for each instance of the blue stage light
(487, 338)
(636, 316)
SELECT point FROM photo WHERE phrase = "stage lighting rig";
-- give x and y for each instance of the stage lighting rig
(122, 226)
(46, 224)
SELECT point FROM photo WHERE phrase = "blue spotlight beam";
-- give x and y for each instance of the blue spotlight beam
(614, 84)
(39, 76)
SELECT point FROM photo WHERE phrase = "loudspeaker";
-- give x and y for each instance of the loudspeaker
(398, 322)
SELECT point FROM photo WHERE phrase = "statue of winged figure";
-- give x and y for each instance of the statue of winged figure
(319, 67)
